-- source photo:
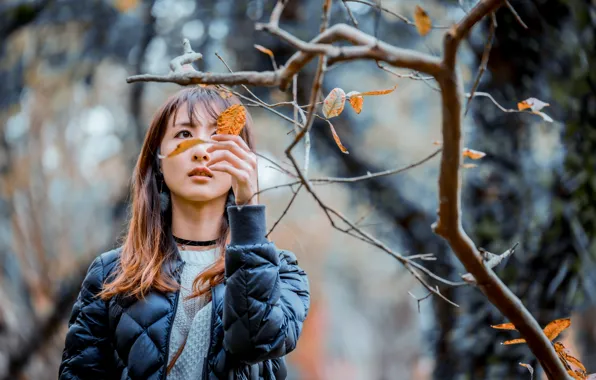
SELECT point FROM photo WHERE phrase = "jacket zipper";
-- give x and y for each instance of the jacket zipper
(171, 326)
(213, 315)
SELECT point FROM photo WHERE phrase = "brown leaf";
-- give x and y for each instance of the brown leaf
(504, 326)
(529, 367)
(356, 100)
(513, 341)
(422, 21)
(264, 50)
(334, 103)
(337, 140)
(554, 328)
(232, 120)
(573, 361)
(185, 145)
(473, 154)
(531, 103)
(379, 92)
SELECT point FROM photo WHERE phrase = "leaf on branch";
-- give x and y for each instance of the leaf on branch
(576, 374)
(379, 92)
(185, 145)
(504, 326)
(529, 367)
(554, 328)
(356, 100)
(264, 50)
(337, 140)
(232, 120)
(571, 361)
(513, 341)
(334, 103)
(422, 21)
(473, 154)
(531, 103)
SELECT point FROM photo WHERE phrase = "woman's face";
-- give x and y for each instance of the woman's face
(177, 169)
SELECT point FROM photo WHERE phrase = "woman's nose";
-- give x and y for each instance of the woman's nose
(200, 153)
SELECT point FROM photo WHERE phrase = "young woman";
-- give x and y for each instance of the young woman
(196, 291)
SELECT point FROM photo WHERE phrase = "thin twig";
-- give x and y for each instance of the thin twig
(516, 15)
(285, 210)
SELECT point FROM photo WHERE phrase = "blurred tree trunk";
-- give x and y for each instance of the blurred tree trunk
(537, 183)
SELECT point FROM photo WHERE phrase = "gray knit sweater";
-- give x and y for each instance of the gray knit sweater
(192, 319)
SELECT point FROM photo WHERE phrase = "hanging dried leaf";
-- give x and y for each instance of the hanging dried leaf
(232, 120)
(185, 145)
(473, 154)
(571, 360)
(334, 103)
(529, 367)
(554, 328)
(504, 326)
(356, 100)
(513, 341)
(264, 50)
(422, 21)
(576, 375)
(531, 103)
(337, 140)
(379, 92)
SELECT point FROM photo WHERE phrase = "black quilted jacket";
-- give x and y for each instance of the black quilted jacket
(257, 315)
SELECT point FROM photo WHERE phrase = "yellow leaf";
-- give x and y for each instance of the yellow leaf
(264, 50)
(232, 120)
(554, 328)
(514, 341)
(379, 92)
(422, 21)
(185, 145)
(356, 100)
(473, 154)
(504, 326)
(334, 103)
(337, 140)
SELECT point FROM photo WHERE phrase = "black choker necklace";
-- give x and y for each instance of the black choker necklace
(194, 242)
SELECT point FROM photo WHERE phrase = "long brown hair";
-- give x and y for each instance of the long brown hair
(148, 244)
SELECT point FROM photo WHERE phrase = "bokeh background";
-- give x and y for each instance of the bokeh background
(71, 130)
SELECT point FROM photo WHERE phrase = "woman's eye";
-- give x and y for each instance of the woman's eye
(178, 134)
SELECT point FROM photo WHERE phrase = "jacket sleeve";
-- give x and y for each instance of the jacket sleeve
(266, 297)
(86, 352)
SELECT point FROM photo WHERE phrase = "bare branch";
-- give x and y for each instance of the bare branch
(490, 260)
(285, 210)
(484, 61)
(516, 15)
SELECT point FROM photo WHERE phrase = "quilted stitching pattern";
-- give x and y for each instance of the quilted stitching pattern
(258, 316)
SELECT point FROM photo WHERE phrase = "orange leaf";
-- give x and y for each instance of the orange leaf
(334, 103)
(422, 21)
(185, 145)
(473, 154)
(574, 362)
(504, 326)
(576, 375)
(337, 140)
(379, 92)
(356, 100)
(513, 341)
(554, 328)
(232, 120)
(264, 50)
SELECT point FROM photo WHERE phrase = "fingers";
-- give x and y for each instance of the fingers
(232, 146)
(241, 175)
(228, 156)
(231, 139)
